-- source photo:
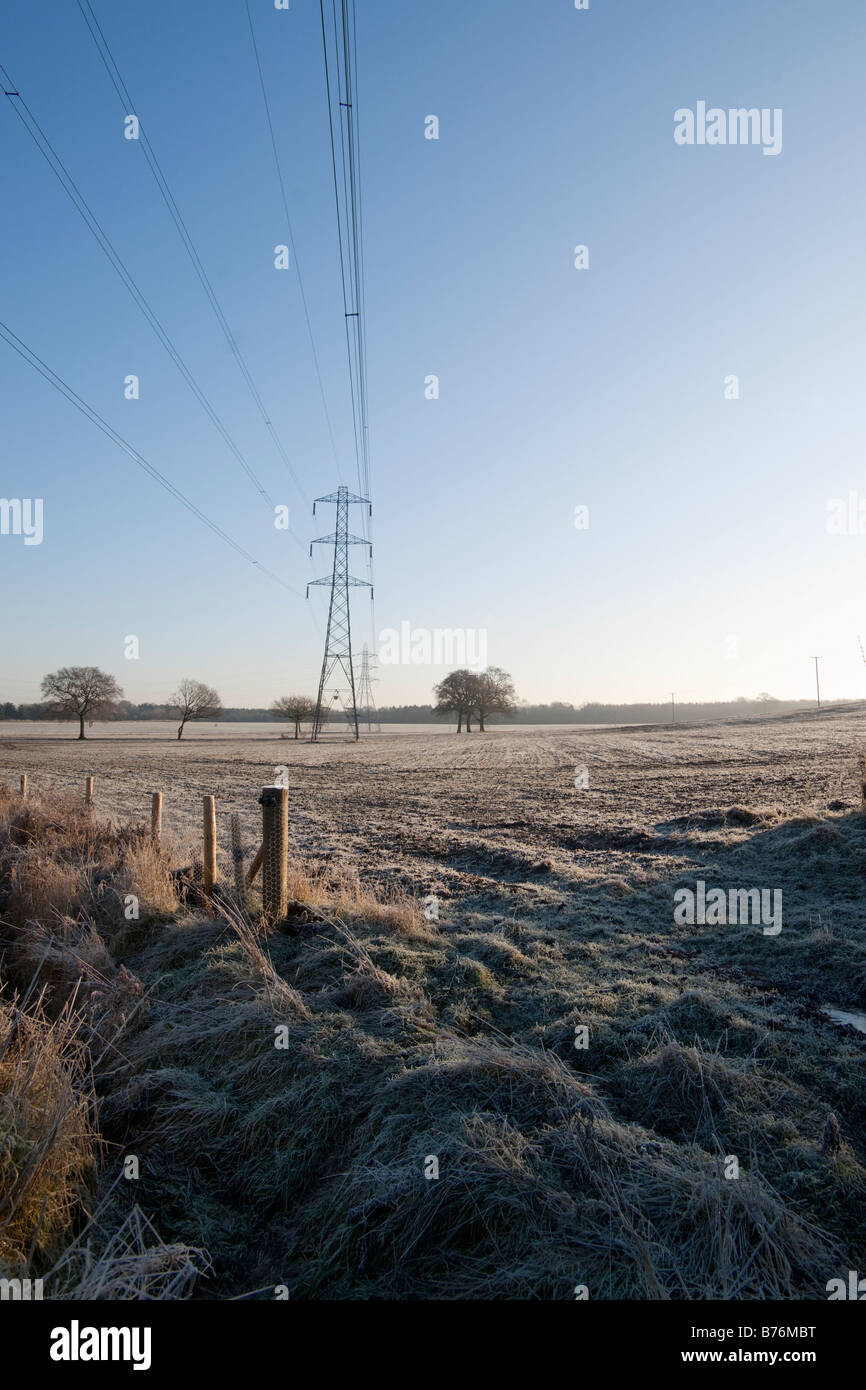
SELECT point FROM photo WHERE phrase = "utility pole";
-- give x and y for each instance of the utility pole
(673, 708)
(817, 682)
(366, 703)
(338, 638)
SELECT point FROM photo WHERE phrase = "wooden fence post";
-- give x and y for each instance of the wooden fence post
(23, 786)
(156, 819)
(209, 869)
(256, 865)
(275, 848)
(88, 793)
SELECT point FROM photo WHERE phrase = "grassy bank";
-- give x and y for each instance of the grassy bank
(289, 1091)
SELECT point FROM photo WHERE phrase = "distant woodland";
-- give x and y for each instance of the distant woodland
(559, 712)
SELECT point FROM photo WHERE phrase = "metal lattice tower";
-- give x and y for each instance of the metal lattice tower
(338, 639)
(366, 703)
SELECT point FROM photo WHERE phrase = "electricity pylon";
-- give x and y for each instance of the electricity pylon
(338, 639)
(366, 703)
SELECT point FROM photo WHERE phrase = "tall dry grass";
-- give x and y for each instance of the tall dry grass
(65, 881)
(342, 892)
(48, 1143)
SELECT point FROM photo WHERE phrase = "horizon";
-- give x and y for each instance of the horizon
(765, 700)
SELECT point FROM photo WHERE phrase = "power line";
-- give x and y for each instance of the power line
(353, 120)
(95, 418)
(339, 216)
(341, 93)
(291, 234)
(347, 221)
(296, 261)
(352, 163)
(72, 191)
(67, 183)
(126, 101)
(354, 167)
(116, 78)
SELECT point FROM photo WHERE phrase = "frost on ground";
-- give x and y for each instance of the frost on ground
(480, 967)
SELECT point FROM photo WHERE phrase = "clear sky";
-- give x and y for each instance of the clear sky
(707, 567)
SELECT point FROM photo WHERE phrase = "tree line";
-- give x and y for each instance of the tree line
(86, 693)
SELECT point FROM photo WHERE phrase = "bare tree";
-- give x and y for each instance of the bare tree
(494, 694)
(296, 708)
(194, 700)
(456, 695)
(81, 692)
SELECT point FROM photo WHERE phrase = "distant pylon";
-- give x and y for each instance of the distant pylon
(338, 639)
(366, 703)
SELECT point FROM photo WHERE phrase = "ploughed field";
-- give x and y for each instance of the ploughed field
(583, 1063)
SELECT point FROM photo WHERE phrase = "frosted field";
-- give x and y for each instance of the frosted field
(497, 812)
(555, 857)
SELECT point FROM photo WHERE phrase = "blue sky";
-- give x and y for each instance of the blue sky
(707, 567)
